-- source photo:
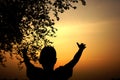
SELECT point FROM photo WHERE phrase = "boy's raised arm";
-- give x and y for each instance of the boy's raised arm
(77, 56)
(26, 59)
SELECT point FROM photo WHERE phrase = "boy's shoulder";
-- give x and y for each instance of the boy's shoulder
(63, 73)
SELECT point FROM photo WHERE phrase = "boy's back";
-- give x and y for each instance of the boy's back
(61, 73)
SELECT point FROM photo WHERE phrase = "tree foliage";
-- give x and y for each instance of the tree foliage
(29, 24)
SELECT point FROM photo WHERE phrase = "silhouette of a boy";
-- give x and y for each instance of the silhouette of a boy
(47, 60)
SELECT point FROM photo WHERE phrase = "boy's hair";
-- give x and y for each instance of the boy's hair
(48, 55)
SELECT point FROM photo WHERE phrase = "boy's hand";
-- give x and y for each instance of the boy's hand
(24, 51)
(81, 46)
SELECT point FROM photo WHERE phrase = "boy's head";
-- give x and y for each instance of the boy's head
(48, 57)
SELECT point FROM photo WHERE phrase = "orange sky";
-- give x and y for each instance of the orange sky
(98, 26)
